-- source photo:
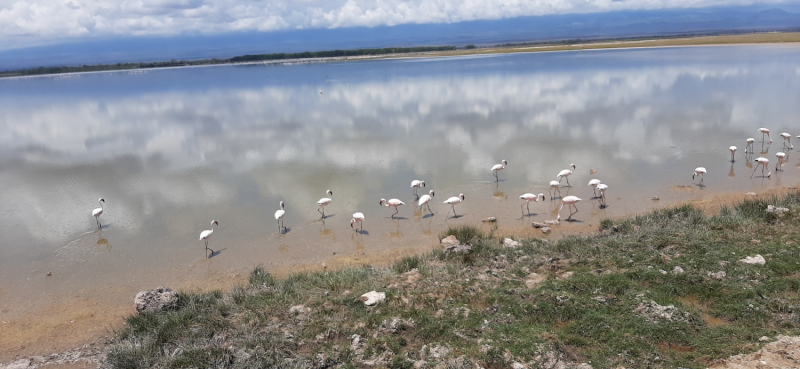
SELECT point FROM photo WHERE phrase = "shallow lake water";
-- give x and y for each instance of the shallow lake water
(170, 150)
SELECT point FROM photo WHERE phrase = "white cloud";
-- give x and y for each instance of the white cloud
(36, 21)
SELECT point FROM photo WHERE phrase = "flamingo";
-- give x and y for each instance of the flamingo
(570, 201)
(764, 131)
(279, 217)
(528, 197)
(394, 203)
(565, 173)
(750, 144)
(453, 201)
(733, 152)
(205, 235)
(96, 213)
(699, 171)
(554, 188)
(787, 137)
(780, 156)
(594, 184)
(426, 199)
(498, 167)
(357, 217)
(415, 184)
(602, 188)
(763, 162)
(323, 202)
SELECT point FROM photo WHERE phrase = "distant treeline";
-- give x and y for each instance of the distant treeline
(339, 53)
(237, 59)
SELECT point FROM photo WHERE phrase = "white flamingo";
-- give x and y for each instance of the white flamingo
(323, 202)
(554, 188)
(415, 184)
(565, 174)
(602, 188)
(699, 172)
(763, 162)
(780, 156)
(394, 203)
(205, 235)
(426, 199)
(357, 217)
(96, 213)
(594, 184)
(453, 201)
(749, 145)
(764, 131)
(733, 153)
(787, 137)
(279, 217)
(570, 201)
(498, 167)
(528, 197)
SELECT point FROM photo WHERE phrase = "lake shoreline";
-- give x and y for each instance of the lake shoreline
(71, 324)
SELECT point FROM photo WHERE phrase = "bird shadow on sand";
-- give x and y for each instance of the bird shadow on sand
(216, 252)
(426, 216)
(327, 216)
(700, 185)
(396, 218)
(286, 230)
(455, 217)
(362, 232)
(573, 221)
(102, 227)
(529, 215)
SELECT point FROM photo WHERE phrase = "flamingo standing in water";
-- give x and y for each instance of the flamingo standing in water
(394, 203)
(565, 173)
(554, 188)
(323, 202)
(205, 235)
(357, 217)
(498, 167)
(279, 217)
(96, 213)
(699, 172)
(415, 184)
(763, 162)
(764, 131)
(733, 152)
(602, 188)
(594, 184)
(528, 197)
(787, 137)
(779, 156)
(570, 201)
(453, 201)
(750, 145)
(426, 199)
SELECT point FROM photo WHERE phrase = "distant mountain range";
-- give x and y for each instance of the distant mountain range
(484, 32)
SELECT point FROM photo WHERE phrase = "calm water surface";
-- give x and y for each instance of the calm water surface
(170, 150)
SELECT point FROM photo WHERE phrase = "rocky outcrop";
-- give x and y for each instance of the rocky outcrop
(155, 300)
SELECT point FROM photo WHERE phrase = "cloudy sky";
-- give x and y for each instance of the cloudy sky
(26, 23)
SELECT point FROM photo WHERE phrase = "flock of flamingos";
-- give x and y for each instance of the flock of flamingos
(570, 201)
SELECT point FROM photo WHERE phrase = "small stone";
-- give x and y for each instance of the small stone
(518, 365)
(533, 279)
(655, 198)
(751, 194)
(155, 300)
(49, 274)
(552, 222)
(19, 364)
(372, 298)
(754, 260)
(663, 272)
(509, 243)
(717, 275)
(678, 270)
(299, 309)
(449, 241)
(490, 220)
(537, 225)
(763, 339)
(546, 230)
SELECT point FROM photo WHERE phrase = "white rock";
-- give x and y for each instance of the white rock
(763, 339)
(372, 298)
(449, 241)
(754, 260)
(299, 309)
(19, 364)
(678, 270)
(717, 275)
(546, 230)
(509, 243)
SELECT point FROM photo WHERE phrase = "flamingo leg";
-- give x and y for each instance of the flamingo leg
(754, 172)
(595, 191)
(396, 211)
(429, 207)
(322, 211)
(571, 213)
(568, 185)
(496, 177)
(97, 219)
(528, 205)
